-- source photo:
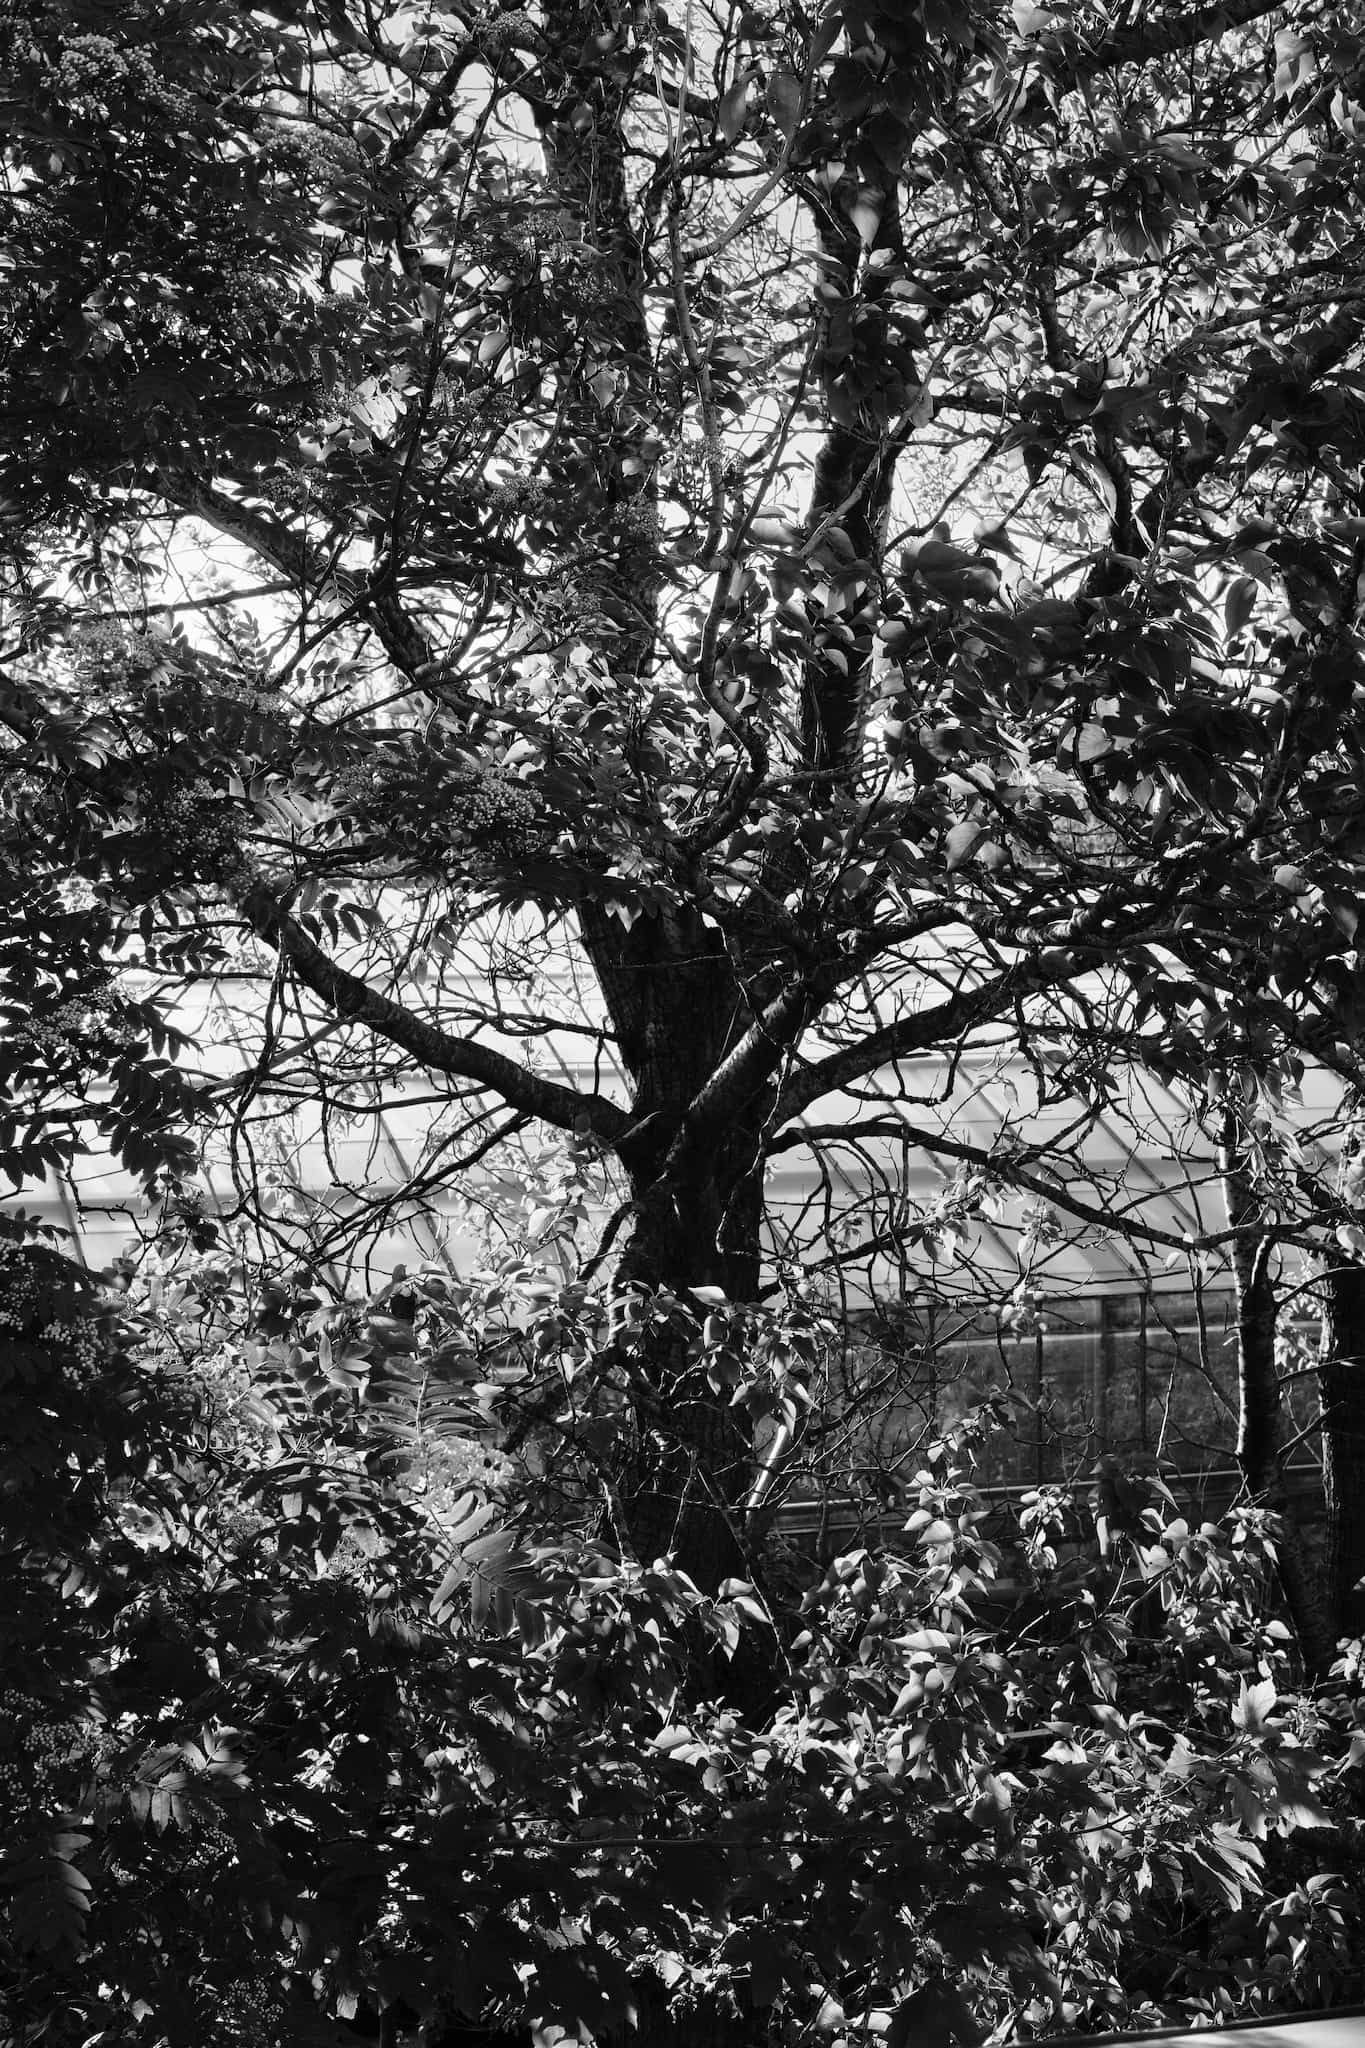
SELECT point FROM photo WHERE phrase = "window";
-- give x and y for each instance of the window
(1150, 1374)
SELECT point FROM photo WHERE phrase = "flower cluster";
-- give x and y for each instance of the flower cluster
(78, 1021)
(493, 805)
(35, 1749)
(508, 32)
(250, 2011)
(92, 71)
(488, 809)
(518, 494)
(1021, 1314)
(99, 644)
(198, 831)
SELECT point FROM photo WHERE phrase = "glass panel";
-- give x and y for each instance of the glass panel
(1148, 1375)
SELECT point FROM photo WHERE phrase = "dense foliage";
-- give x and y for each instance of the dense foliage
(679, 585)
(287, 1745)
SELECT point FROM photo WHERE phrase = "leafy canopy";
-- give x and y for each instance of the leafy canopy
(288, 1742)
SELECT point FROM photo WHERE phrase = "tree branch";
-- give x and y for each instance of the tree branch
(766, 1045)
(404, 642)
(354, 1000)
(1147, 42)
(944, 1024)
(1013, 1171)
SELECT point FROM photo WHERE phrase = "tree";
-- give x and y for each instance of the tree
(777, 546)
(847, 527)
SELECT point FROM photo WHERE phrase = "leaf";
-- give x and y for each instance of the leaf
(773, 530)
(1295, 62)
(960, 843)
(783, 96)
(1259, 565)
(470, 1514)
(1345, 911)
(443, 1599)
(1295, 1807)
(950, 573)
(499, 1566)
(826, 36)
(1254, 1703)
(866, 216)
(1239, 604)
(744, 1604)
(754, 1950)
(733, 108)
(935, 2016)
(671, 1740)
(1097, 476)
(603, 385)
(993, 534)
(1231, 1863)
(49, 1898)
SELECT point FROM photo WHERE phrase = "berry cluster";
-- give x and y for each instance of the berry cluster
(78, 1343)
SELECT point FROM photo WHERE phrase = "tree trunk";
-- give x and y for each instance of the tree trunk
(1260, 1426)
(669, 987)
(868, 383)
(1341, 1389)
(683, 1475)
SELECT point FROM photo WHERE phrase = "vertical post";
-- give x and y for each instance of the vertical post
(1096, 1323)
(1259, 1432)
(1039, 1473)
